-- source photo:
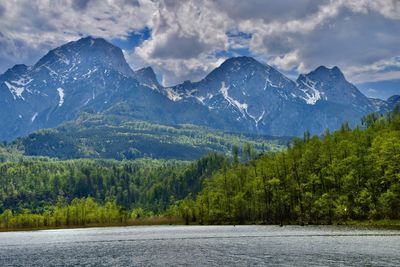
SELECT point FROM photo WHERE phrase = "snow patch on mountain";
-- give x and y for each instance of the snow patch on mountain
(172, 95)
(312, 95)
(151, 86)
(268, 82)
(201, 99)
(22, 81)
(34, 117)
(62, 57)
(190, 93)
(242, 107)
(257, 119)
(15, 90)
(61, 96)
(89, 73)
(378, 104)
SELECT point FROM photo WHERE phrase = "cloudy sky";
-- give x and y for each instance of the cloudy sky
(186, 39)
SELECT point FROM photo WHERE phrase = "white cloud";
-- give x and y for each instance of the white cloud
(387, 8)
(184, 39)
(287, 61)
(322, 38)
(357, 35)
(38, 25)
(376, 76)
(376, 71)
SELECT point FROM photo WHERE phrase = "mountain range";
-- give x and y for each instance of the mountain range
(242, 95)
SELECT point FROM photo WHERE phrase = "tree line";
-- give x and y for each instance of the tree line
(33, 190)
(350, 174)
(80, 212)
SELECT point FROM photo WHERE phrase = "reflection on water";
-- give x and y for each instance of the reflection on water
(202, 246)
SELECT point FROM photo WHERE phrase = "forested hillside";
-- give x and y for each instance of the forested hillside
(116, 137)
(348, 174)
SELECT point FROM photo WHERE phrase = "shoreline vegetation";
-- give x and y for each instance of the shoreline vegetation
(177, 221)
(348, 177)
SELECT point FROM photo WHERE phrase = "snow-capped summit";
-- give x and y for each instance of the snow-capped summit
(61, 83)
(241, 95)
(329, 84)
(85, 54)
(262, 99)
(243, 70)
(244, 88)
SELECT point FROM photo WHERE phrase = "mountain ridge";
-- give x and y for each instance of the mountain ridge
(241, 95)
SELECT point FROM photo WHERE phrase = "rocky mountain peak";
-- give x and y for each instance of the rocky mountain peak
(323, 73)
(86, 53)
(329, 84)
(148, 77)
(241, 95)
(238, 65)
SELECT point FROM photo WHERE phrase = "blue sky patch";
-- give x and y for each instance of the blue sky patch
(133, 40)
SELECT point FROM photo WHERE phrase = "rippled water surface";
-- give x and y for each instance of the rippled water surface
(202, 246)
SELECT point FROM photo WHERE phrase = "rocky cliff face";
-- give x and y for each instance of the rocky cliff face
(263, 100)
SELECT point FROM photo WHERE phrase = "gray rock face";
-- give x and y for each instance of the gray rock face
(147, 77)
(78, 75)
(263, 100)
(241, 95)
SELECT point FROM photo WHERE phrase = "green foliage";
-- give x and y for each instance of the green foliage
(351, 174)
(115, 137)
(79, 212)
(151, 185)
(9, 153)
(346, 175)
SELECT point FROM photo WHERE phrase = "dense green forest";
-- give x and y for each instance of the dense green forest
(79, 212)
(115, 137)
(8, 153)
(345, 175)
(143, 186)
(350, 174)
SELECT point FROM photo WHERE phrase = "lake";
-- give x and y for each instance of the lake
(202, 246)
